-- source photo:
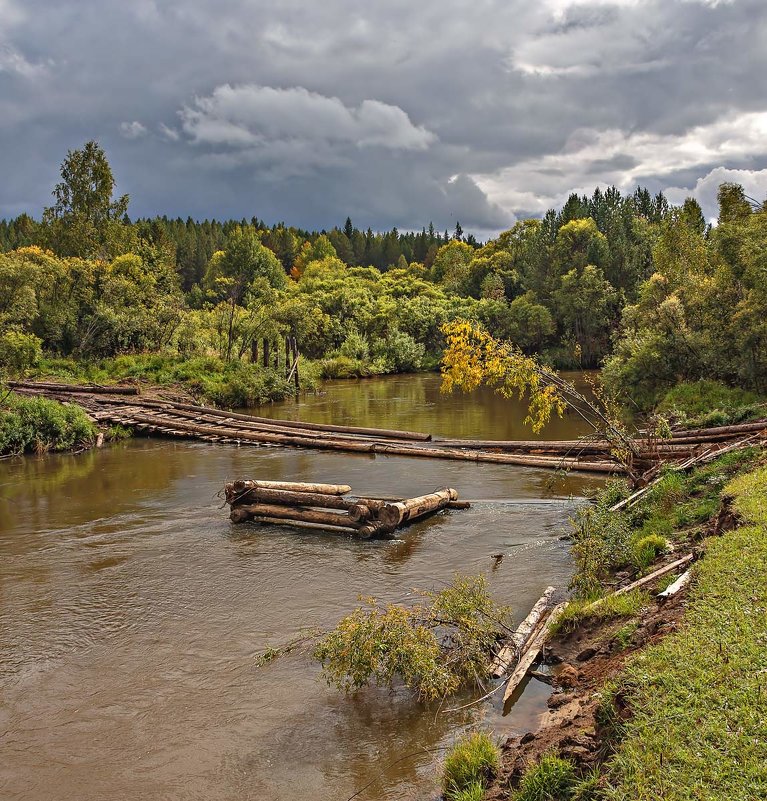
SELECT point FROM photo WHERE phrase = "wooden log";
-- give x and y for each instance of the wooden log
(305, 515)
(738, 428)
(291, 486)
(302, 524)
(381, 433)
(375, 528)
(94, 389)
(395, 514)
(359, 512)
(531, 651)
(648, 579)
(240, 515)
(516, 643)
(286, 498)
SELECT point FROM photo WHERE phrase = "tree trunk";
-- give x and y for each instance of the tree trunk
(305, 515)
(241, 485)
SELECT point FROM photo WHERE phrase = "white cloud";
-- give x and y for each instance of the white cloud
(171, 134)
(260, 117)
(754, 183)
(11, 60)
(624, 158)
(132, 130)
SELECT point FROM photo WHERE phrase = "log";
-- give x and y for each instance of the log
(531, 651)
(382, 433)
(515, 644)
(318, 527)
(95, 389)
(291, 486)
(738, 428)
(286, 498)
(395, 514)
(359, 512)
(679, 584)
(648, 579)
(304, 515)
(375, 528)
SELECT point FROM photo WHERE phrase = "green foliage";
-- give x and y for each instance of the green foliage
(470, 764)
(37, 425)
(18, 352)
(85, 221)
(378, 644)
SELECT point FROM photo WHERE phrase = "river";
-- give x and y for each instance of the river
(132, 611)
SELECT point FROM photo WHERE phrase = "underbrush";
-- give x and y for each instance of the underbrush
(38, 425)
(469, 766)
(702, 404)
(556, 779)
(611, 607)
(207, 378)
(670, 514)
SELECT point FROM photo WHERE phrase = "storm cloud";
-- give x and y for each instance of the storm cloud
(391, 113)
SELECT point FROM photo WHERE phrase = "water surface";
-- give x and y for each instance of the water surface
(131, 610)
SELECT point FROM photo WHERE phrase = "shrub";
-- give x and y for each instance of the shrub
(378, 644)
(39, 425)
(701, 398)
(18, 352)
(470, 764)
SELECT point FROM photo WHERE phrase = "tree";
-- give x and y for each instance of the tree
(85, 221)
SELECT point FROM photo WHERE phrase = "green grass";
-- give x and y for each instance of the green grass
(611, 607)
(471, 762)
(699, 728)
(38, 425)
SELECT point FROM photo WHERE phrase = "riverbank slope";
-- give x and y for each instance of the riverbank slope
(662, 698)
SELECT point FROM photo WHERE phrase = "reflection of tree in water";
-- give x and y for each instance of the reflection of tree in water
(416, 731)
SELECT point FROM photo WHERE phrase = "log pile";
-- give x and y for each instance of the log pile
(329, 507)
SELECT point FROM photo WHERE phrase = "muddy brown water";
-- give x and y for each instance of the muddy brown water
(131, 610)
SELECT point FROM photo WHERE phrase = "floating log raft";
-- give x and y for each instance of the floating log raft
(328, 506)
(156, 415)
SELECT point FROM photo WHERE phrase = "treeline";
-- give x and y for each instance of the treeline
(601, 279)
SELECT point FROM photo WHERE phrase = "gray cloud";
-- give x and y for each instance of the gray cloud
(393, 114)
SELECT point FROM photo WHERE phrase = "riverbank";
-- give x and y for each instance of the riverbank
(660, 698)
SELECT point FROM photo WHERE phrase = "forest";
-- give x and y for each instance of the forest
(647, 291)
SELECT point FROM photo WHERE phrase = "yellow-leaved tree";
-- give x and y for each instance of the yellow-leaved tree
(473, 358)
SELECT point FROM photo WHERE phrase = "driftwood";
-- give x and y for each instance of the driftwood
(512, 648)
(287, 498)
(531, 651)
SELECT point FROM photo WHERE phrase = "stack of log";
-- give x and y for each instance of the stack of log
(329, 507)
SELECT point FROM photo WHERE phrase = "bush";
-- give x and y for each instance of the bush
(470, 764)
(709, 403)
(38, 425)
(434, 647)
(18, 352)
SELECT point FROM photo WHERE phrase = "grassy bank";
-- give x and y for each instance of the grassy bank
(673, 706)
(699, 698)
(38, 425)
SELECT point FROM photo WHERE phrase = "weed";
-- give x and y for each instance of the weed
(552, 779)
(608, 608)
(646, 550)
(473, 760)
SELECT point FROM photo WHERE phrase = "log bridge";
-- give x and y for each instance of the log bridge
(328, 507)
(153, 414)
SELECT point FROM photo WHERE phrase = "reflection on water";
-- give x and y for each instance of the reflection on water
(131, 610)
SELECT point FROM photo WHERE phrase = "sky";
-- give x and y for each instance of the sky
(393, 113)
